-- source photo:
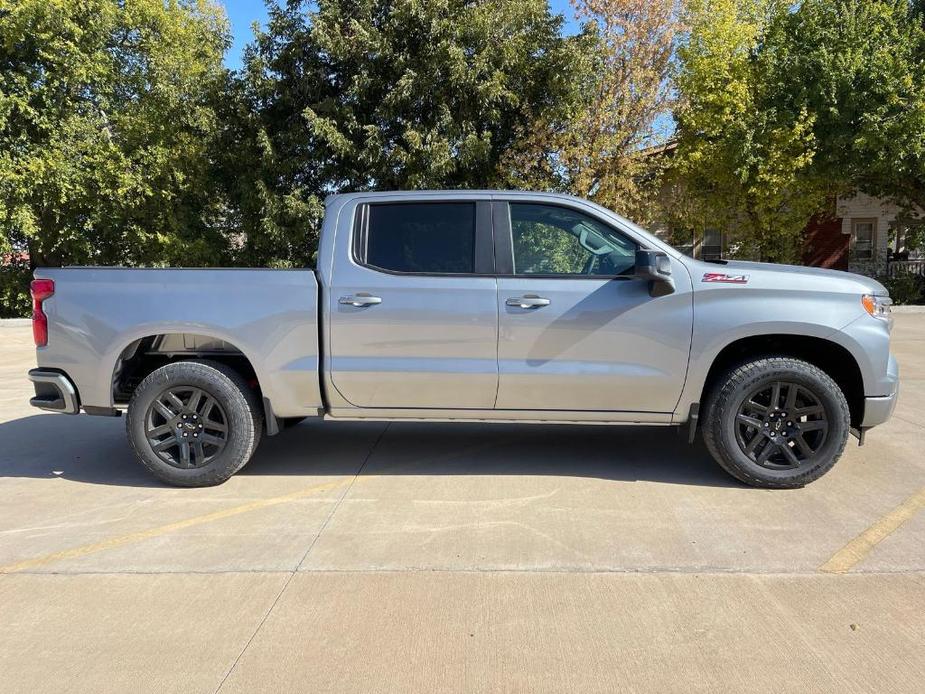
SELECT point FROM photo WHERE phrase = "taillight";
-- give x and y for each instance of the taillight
(41, 290)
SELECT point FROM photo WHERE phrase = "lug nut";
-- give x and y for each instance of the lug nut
(196, 435)
(185, 434)
(179, 425)
(200, 426)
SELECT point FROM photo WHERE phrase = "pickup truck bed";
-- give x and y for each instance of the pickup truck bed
(101, 318)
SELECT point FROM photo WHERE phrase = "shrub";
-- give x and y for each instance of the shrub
(905, 287)
(14, 291)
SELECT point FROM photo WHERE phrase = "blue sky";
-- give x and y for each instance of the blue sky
(243, 13)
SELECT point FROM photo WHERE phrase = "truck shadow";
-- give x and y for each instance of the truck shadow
(94, 451)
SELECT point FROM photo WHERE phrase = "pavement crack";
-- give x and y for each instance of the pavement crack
(909, 421)
(256, 631)
(292, 573)
(343, 495)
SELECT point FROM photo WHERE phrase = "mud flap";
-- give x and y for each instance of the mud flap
(692, 422)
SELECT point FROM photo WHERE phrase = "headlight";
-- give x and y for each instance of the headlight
(877, 306)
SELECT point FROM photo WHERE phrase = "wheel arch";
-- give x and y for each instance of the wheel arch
(834, 359)
(143, 354)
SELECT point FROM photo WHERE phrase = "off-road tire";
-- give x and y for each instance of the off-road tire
(239, 401)
(731, 390)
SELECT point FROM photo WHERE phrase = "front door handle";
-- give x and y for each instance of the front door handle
(360, 300)
(528, 301)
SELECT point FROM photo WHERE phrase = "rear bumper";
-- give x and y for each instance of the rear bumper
(53, 392)
(877, 410)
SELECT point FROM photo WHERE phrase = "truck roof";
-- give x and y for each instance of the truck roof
(340, 199)
(450, 193)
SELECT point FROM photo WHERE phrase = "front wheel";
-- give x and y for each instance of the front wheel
(776, 422)
(194, 423)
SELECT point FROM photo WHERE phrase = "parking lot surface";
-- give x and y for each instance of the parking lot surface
(466, 557)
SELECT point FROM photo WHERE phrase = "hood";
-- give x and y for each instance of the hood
(790, 275)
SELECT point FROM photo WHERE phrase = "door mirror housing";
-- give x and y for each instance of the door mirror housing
(654, 266)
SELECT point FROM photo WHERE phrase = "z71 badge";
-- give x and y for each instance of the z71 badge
(722, 277)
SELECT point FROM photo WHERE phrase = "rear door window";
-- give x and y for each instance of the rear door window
(429, 238)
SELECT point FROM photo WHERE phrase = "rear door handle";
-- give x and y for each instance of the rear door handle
(360, 300)
(528, 301)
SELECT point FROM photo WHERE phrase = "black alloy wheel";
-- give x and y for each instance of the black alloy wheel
(186, 427)
(781, 425)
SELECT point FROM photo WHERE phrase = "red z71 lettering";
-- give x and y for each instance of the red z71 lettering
(721, 277)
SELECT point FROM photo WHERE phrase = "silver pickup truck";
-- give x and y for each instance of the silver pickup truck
(472, 306)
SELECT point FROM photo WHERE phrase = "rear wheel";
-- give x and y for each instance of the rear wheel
(194, 423)
(776, 422)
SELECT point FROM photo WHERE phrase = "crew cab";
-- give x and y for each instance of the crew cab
(472, 305)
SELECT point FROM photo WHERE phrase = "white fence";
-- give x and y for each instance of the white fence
(906, 267)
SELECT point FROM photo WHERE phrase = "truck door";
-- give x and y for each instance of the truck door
(413, 307)
(577, 331)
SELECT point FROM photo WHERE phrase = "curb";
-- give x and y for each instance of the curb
(908, 309)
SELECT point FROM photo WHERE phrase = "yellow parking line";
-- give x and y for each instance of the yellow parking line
(855, 551)
(111, 543)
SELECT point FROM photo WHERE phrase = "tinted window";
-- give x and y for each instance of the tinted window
(550, 240)
(422, 237)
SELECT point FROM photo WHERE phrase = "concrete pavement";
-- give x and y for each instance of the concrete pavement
(414, 557)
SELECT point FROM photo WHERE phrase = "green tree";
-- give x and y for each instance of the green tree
(347, 95)
(743, 162)
(592, 146)
(785, 105)
(105, 124)
(858, 67)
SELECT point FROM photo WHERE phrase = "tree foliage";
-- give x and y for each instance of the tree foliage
(105, 118)
(347, 95)
(785, 106)
(859, 69)
(742, 163)
(623, 95)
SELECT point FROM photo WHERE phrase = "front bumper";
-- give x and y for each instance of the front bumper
(53, 392)
(879, 409)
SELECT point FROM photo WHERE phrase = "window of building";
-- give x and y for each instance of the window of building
(435, 238)
(712, 246)
(863, 232)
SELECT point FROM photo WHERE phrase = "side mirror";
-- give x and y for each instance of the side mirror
(655, 266)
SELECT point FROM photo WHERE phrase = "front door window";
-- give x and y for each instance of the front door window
(556, 241)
